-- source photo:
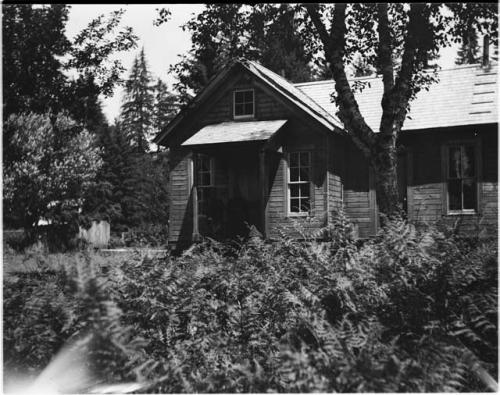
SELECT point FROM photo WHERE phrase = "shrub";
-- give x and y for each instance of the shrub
(408, 311)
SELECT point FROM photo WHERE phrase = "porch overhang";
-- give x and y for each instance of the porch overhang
(233, 132)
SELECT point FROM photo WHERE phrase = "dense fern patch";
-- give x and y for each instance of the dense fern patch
(410, 310)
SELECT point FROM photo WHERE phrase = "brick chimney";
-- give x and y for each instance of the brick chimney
(486, 51)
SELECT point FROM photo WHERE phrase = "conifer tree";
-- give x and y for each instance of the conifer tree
(105, 200)
(165, 106)
(138, 107)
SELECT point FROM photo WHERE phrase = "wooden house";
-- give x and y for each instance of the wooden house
(255, 149)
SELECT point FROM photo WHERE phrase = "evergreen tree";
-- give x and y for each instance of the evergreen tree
(138, 107)
(166, 106)
(104, 200)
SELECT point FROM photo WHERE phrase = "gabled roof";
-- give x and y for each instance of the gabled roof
(274, 81)
(294, 94)
(465, 95)
(232, 132)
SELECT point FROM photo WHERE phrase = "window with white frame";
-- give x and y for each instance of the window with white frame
(204, 181)
(299, 182)
(461, 176)
(243, 103)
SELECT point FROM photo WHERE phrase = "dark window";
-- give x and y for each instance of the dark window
(461, 178)
(244, 103)
(204, 181)
(299, 182)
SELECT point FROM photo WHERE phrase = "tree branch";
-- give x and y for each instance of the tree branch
(386, 66)
(349, 112)
(313, 11)
(402, 87)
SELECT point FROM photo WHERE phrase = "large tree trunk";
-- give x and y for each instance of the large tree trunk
(384, 164)
(379, 148)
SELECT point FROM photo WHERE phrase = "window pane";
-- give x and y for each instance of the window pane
(239, 97)
(454, 165)
(469, 188)
(304, 174)
(468, 165)
(294, 190)
(238, 109)
(249, 109)
(294, 205)
(304, 189)
(304, 159)
(294, 159)
(205, 179)
(248, 96)
(294, 174)
(454, 194)
(204, 164)
(304, 204)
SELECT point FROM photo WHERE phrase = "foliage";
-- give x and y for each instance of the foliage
(51, 166)
(402, 42)
(404, 312)
(272, 34)
(166, 106)
(131, 190)
(44, 309)
(36, 54)
(33, 42)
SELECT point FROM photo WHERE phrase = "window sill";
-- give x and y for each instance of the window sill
(458, 213)
(299, 215)
(243, 117)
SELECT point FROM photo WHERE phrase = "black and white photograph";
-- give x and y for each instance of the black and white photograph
(250, 198)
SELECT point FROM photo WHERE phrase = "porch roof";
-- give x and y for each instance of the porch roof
(231, 132)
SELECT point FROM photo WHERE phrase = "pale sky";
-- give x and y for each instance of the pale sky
(162, 44)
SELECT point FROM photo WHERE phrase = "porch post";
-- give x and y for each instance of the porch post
(263, 188)
(194, 198)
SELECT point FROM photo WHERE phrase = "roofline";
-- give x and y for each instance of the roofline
(216, 80)
(283, 91)
(379, 76)
(197, 98)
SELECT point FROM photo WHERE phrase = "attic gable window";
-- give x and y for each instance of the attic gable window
(243, 103)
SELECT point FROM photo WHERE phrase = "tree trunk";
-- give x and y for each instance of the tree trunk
(384, 163)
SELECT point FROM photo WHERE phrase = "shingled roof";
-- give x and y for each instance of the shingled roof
(465, 95)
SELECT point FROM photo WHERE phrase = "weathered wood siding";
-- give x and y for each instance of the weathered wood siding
(297, 137)
(300, 134)
(359, 196)
(426, 192)
(180, 204)
(336, 159)
(98, 234)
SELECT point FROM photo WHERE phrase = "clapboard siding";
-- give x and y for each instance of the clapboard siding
(298, 137)
(357, 203)
(426, 190)
(266, 106)
(180, 218)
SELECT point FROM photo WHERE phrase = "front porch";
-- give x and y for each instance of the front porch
(230, 167)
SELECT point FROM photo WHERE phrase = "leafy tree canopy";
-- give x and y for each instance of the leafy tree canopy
(401, 41)
(56, 162)
(274, 35)
(37, 56)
